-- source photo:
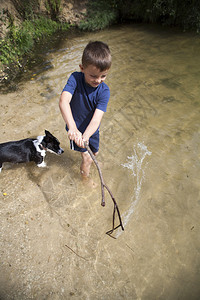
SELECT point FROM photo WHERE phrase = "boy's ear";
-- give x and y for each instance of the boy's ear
(81, 67)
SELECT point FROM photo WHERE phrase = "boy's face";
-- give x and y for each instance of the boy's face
(93, 76)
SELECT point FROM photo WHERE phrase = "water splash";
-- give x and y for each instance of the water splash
(136, 163)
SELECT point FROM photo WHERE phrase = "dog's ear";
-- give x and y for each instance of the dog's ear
(47, 132)
(49, 135)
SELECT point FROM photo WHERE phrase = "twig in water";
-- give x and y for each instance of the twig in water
(103, 185)
(75, 253)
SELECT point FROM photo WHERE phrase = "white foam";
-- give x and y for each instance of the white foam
(136, 163)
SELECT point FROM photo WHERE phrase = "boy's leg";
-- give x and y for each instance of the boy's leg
(86, 163)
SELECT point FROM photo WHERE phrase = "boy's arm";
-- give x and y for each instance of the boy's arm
(64, 104)
(92, 127)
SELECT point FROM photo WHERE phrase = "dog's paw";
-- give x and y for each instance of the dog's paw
(42, 165)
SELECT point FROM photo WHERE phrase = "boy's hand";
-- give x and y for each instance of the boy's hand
(80, 142)
(74, 134)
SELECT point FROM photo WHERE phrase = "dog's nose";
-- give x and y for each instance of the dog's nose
(61, 151)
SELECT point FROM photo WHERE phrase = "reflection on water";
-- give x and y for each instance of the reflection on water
(154, 83)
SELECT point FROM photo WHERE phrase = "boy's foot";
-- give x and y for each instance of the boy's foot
(89, 181)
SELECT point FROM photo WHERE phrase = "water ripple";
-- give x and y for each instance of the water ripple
(136, 163)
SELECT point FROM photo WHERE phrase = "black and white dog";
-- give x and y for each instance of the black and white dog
(29, 150)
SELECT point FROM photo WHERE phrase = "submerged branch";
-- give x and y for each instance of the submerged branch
(103, 185)
(75, 252)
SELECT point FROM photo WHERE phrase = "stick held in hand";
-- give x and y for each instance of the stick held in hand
(103, 185)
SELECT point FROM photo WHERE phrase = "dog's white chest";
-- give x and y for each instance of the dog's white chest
(37, 143)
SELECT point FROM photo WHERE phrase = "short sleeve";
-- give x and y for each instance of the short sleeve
(71, 84)
(103, 98)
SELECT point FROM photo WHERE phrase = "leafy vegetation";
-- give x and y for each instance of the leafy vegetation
(54, 8)
(185, 14)
(100, 14)
(20, 40)
(28, 9)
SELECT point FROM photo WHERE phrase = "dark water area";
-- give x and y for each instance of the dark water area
(53, 243)
(36, 60)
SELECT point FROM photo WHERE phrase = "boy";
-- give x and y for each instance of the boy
(84, 100)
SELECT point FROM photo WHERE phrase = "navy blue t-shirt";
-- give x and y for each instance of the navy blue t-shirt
(85, 99)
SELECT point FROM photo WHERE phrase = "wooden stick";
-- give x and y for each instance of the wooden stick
(103, 185)
(100, 173)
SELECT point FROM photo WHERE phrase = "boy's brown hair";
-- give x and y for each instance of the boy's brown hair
(97, 54)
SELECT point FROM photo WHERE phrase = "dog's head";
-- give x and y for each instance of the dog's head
(51, 143)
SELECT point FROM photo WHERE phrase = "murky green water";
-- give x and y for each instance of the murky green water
(149, 154)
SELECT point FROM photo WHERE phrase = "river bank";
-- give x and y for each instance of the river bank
(23, 27)
(71, 12)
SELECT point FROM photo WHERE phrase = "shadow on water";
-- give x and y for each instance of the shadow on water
(36, 61)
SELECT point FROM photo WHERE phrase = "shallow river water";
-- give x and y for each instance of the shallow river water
(53, 243)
